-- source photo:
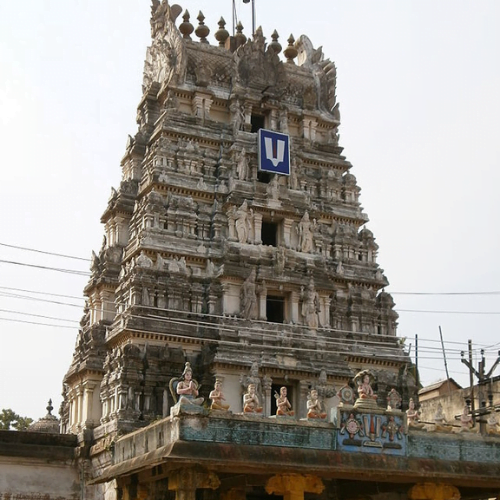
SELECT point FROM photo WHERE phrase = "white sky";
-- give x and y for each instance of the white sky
(418, 90)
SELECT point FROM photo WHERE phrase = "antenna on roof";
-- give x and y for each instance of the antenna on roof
(235, 17)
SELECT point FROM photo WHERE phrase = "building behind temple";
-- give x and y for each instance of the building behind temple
(208, 259)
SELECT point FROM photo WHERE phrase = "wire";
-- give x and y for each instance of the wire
(58, 269)
(36, 299)
(449, 312)
(36, 323)
(44, 252)
(41, 293)
(446, 293)
(38, 315)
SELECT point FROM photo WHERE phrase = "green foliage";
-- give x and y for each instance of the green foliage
(9, 420)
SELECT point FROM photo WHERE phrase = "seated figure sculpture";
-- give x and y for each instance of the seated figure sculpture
(217, 397)
(315, 408)
(187, 388)
(251, 402)
(283, 406)
(365, 390)
(413, 416)
(466, 421)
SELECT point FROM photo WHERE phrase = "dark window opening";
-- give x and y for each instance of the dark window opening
(269, 233)
(275, 389)
(264, 177)
(257, 122)
(275, 309)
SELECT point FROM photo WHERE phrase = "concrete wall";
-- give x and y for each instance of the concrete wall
(37, 466)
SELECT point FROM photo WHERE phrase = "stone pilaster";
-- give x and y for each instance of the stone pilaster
(293, 486)
(433, 491)
(185, 482)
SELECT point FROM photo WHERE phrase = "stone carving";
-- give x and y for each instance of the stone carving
(305, 232)
(363, 380)
(310, 306)
(440, 423)
(465, 420)
(243, 222)
(279, 260)
(237, 116)
(413, 416)
(492, 427)
(145, 297)
(187, 388)
(315, 407)
(249, 307)
(217, 397)
(393, 400)
(242, 166)
(273, 188)
(144, 261)
(283, 406)
(251, 402)
(252, 378)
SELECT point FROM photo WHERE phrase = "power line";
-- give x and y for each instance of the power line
(44, 252)
(36, 323)
(38, 315)
(58, 269)
(41, 293)
(448, 312)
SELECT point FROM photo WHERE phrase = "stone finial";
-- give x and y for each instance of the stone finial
(49, 408)
(202, 30)
(275, 45)
(240, 37)
(186, 28)
(291, 51)
(221, 35)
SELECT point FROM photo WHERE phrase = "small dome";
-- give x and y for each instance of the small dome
(48, 424)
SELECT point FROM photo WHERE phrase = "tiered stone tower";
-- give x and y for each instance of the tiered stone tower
(245, 274)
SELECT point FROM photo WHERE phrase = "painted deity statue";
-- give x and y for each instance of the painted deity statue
(364, 380)
(251, 402)
(187, 388)
(315, 408)
(440, 423)
(217, 397)
(283, 406)
(413, 416)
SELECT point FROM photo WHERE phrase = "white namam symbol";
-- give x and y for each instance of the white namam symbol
(275, 150)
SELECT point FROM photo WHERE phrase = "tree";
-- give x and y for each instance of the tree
(9, 420)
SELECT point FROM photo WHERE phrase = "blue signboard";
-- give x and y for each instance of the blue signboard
(274, 152)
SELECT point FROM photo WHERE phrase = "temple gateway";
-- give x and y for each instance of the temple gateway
(237, 341)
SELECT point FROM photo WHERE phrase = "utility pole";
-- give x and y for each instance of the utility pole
(482, 380)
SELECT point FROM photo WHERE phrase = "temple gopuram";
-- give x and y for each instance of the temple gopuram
(237, 342)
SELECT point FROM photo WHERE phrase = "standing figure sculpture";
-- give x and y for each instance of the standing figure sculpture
(187, 388)
(243, 222)
(242, 166)
(283, 406)
(310, 306)
(217, 397)
(249, 307)
(251, 402)
(305, 233)
(315, 408)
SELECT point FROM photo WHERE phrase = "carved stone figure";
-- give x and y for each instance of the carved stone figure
(237, 116)
(243, 223)
(363, 380)
(305, 233)
(144, 261)
(283, 406)
(492, 427)
(440, 423)
(242, 166)
(465, 420)
(315, 407)
(187, 388)
(249, 307)
(413, 416)
(310, 306)
(393, 400)
(273, 188)
(217, 397)
(279, 260)
(251, 402)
